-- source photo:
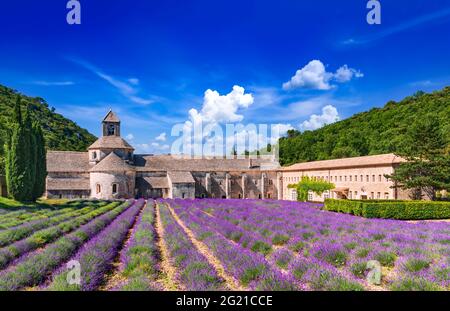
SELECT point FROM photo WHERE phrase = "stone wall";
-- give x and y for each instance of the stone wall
(68, 194)
(362, 183)
(214, 185)
(125, 185)
(186, 191)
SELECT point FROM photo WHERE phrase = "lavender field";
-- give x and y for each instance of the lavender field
(217, 245)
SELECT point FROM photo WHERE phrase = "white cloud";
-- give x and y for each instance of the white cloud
(54, 83)
(329, 115)
(345, 74)
(223, 108)
(282, 128)
(128, 89)
(217, 109)
(133, 81)
(161, 137)
(159, 146)
(129, 137)
(314, 76)
(143, 148)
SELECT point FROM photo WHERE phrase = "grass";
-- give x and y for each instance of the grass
(387, 259)
(261, 247)
(6, 203)
(416, 264)
(414, 284)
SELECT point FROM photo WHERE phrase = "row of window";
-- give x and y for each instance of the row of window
(351, 195)
(115, 188)
(354, 195)
(345, 178)
(256, 181)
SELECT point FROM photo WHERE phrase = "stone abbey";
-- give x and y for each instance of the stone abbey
(111, 170)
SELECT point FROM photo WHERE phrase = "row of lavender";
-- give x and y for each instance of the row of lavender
(47, 235)
(139, 260)
(250, 269)
(16, 218)
(328, 251)
(34, 266)
(194, 272)
(97, 255)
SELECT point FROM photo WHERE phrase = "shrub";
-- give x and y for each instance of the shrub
(297, 246)
(404, 210)
(416, 264)
(251, 274)
(362, 252)
(332, 254)
(261, 247)
(414, 284)
(386, 259)
(359, 269)
(280, 239)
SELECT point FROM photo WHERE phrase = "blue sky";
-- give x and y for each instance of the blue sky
(302, 64)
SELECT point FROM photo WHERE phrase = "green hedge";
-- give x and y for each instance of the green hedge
(406, 210)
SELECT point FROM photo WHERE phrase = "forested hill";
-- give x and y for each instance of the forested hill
(380, 130)
(60, 133)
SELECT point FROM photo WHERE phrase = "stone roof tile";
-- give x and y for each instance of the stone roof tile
(112, 163)
(374, 160)
(111, 117)
(68, 184)
(180, 177)
(67, 161)
(111, 142)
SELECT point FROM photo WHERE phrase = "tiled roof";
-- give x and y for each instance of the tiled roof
(153, 182)
(111, 142)
(173, 163)
(111, 117)
(180, 177)
(67, 161)
(375, 160)
(68, 184)
(112, 163)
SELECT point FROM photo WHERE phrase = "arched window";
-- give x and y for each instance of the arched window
(111, 129)
(115, 188)
(94, 155)
(98, 188)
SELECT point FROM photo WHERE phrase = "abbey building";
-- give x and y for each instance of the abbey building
(111, 170)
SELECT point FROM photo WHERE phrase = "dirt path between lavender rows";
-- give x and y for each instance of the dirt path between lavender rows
(231, 282)
(168, 281)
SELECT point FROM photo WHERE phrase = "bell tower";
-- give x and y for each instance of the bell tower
(111, 124)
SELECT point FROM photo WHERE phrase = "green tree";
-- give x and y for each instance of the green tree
(30, 154)
(16, 160)
(427, 168)
(306, 184)
(41, 162)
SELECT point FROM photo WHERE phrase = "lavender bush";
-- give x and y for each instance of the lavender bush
(33, 268)
(42, 237)
(195, 272)
(340, 244)
(97, 255)
(139, 261)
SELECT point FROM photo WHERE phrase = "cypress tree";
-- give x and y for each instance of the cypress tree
(41, 162)
(17, 151)
(30, 154)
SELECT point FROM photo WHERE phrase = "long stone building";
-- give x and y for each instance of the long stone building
(358, 178)
(111, 170)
